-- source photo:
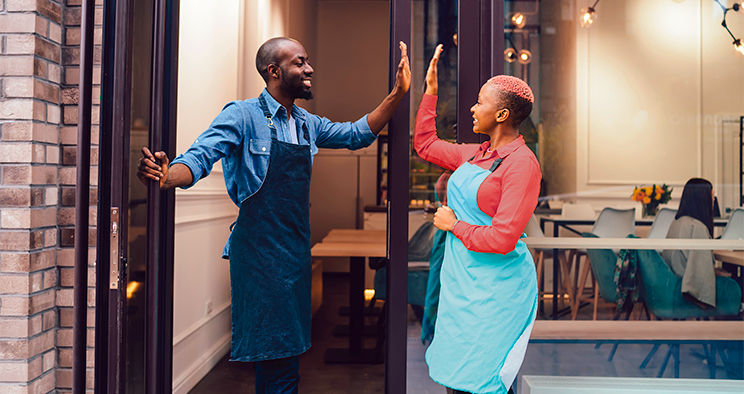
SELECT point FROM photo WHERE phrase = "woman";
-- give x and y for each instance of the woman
(488, 296)
(694, 219)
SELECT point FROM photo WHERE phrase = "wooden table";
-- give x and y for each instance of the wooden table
(562, 243)
(360, 236)
(730, 257)
(356, 252)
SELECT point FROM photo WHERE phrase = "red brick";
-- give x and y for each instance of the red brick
(43, 175)
(40, 68)
(50, 10)
(14, 284)
(47, 50)
(17, 23)
(46, 91)
(49, 320)
(41, 260)
(70, 96)
(14, 327)
(49, 360)
(34, 325)
(41, 302)
(15, 197)
(14, 240)
(16, 65)
(13, 349)
(41, 343)
(20, 44)
(66, 277)
(17, 109)
(14, 262)
(14, 372)
(18, 131)
(14, 306)
(16, 218)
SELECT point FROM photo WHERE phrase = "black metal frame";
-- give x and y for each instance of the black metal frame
(113, 192)
(161, 204)
(82, 200)
(475, 41)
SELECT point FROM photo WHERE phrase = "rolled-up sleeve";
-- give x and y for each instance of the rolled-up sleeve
(349, 135)
(222, 137)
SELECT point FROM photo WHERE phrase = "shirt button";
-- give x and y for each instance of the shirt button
(263, 149)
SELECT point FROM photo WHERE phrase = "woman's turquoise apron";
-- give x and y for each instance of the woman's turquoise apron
(487, 304)
(270, 263)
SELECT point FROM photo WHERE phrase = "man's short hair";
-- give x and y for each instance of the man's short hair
(515, 95)
(268, 54)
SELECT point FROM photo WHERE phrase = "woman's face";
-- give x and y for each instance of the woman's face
(486, 111)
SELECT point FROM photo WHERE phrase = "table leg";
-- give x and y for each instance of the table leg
(356, 353)
(555, 274)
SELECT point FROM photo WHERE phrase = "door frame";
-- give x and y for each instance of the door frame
(482, 42)
(111, 301)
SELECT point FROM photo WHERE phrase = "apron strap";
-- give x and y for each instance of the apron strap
(267, 114)
(495, 164)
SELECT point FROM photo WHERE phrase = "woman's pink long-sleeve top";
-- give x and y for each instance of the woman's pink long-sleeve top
(508, 195)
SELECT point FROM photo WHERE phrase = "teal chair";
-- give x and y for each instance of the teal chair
(602, 262)
(662, 291)
(662, 294)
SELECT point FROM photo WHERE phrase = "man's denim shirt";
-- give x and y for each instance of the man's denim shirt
(241, 137)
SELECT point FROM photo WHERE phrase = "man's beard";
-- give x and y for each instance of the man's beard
(297, 91)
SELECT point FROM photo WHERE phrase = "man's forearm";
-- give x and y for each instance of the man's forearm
(178, 175)
(378, 118)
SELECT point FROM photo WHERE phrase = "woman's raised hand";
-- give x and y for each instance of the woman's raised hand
(432, 85)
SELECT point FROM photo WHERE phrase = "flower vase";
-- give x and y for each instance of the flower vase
(650, 210)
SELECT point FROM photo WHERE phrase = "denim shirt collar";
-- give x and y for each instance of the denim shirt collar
(275, 107)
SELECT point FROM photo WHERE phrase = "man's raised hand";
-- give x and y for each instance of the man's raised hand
(403, 76)
(432, 84)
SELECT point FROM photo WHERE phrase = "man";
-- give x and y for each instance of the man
(266, 145)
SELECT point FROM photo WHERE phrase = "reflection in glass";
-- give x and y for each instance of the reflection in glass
(138, 137)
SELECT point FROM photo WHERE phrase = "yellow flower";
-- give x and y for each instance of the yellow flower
(648, 190)
(657, 196)
(646, 200)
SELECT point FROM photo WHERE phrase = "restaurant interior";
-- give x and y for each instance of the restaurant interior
(632, 99)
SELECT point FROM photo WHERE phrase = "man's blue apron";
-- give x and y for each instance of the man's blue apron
(487, 304)
(270, 263)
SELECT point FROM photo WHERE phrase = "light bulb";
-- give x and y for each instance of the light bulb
(524, 56)
(519, 20)
(587, 16)
(510, 55)
(739, 46)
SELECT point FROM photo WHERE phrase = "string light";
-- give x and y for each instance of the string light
(736, 8)
(510, 55)
(524, 56)
(588, 15)
(519, 20)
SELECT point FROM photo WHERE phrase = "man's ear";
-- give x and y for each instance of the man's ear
(274, 71)
(502, 115)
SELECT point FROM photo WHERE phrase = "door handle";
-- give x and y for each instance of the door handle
(114, 245)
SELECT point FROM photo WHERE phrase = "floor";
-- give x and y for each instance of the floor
(541, 359)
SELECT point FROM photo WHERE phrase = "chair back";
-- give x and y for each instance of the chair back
(663, 220)
(662, 291)
(735, 227)
(533, 229)
(578, 211)
(659, 285)
(615, 223)
(603, 263)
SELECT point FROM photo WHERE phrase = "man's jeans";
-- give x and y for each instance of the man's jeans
(280, 376)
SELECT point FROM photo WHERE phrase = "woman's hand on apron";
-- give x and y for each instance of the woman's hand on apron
(432, 84)
(445, 219)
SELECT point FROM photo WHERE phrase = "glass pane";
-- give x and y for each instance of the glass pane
(433, 22)
(140, 115)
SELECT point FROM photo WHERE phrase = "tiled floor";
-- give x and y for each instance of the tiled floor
(541, 359)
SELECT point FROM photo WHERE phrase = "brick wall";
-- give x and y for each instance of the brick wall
(39, 72)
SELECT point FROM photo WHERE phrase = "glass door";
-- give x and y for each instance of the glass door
(471, 32)
(134, 305)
